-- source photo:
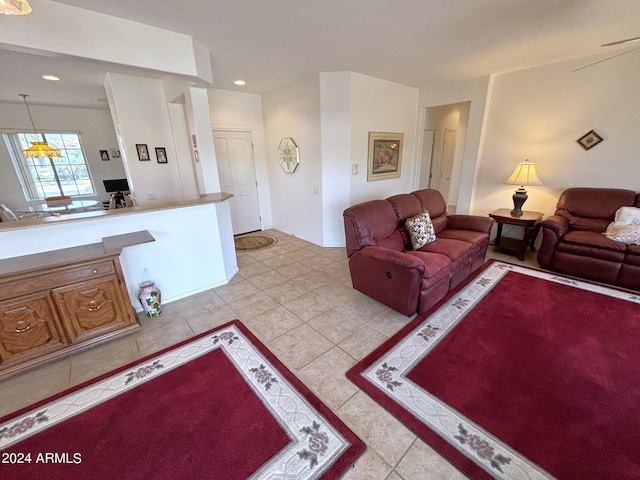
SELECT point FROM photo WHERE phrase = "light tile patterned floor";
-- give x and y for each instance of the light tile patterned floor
(297, 298)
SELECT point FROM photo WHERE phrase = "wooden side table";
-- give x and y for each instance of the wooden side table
(530, 221)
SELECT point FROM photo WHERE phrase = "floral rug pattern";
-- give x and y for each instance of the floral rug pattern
(315, 444)
(389, 374)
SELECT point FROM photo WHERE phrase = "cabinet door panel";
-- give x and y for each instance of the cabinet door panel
(28, 328)
(93, 308)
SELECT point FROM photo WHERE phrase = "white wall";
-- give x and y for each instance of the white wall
(382, 106)
(56, 28)
(140, 111)
(539, 113)
(335, 108)
(243, 111)
(330, 117)
(96, 133)
(188, 256)
(294, 111)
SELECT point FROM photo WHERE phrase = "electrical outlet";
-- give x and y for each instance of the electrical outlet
(151, 196)
(145, 273)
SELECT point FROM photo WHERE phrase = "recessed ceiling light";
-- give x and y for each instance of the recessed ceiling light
(53, 78)
(240, 83)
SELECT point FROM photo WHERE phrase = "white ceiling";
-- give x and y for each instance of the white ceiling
(269, 43)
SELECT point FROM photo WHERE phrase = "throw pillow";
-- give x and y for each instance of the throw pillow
(628, 215)
(625, 233)
(421, 230)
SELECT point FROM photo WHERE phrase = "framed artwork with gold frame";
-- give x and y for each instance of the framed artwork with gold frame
(385, 155)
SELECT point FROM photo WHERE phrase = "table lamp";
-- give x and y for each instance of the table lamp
(524, 174)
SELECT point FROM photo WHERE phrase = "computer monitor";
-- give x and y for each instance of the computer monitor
(116, 186)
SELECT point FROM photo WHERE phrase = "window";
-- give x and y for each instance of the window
(50, 177)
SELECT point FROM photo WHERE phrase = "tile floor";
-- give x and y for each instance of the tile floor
(297, 298)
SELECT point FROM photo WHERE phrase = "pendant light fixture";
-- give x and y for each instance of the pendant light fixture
(38, 149)
(14, 7)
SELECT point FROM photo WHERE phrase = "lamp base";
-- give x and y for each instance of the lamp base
(518, 200)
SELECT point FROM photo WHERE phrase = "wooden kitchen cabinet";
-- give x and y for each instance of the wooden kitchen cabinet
(58, 302)
(30, 329)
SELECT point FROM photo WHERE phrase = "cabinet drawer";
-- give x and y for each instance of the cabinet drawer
(93, 308)
(28, 328)
(46, 280)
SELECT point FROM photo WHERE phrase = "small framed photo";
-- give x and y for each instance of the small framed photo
(161, 155)
(385, 155)
(104, 155)
(143, 152)
(589, 140)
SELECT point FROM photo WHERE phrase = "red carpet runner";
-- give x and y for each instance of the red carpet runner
(219, 406)
(520, 374)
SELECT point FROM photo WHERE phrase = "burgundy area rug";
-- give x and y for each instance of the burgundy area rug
(519, 374)
(219, 406)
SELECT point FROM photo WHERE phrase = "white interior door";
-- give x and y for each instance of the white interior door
(236, 167)
(427, 158)
(446, 164)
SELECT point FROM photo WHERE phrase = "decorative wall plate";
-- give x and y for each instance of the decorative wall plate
(288, 155)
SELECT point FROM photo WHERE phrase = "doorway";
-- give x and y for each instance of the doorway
(442, 167)
(444, 136)
(236, 167)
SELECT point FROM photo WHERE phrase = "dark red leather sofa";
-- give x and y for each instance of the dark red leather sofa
(383, 264)
(573, 240)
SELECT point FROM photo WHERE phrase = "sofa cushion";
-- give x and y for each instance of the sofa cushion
(436, 266)
(592, 209)
(459, 252)
(405, 206)
(371, 223)
(633, 256)
(596, 225)
(421, 230)
(433, 202)
(476, 238)
(591, 244)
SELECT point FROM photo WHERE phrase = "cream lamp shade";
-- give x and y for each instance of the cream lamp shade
(14, 7)
(525, 173)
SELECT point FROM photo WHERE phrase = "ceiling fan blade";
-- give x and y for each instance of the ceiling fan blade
(606, 59)
(620, 42)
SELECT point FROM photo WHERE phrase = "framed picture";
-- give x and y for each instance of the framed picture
(104, 155)
(385, 155)
(161, 155)
(589, 140)
(143, 152)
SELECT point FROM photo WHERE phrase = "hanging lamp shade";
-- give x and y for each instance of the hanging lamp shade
(14, 7)
(41, 149)
(38, 149)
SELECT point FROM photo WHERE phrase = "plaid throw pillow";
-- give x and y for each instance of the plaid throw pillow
(421, 230)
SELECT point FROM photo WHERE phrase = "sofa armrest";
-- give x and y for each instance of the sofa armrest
(553, 229)
(470, 222)
(558, 224)
(391, 277)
